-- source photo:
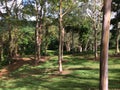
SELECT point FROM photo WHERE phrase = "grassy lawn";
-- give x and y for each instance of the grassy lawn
(80, 73)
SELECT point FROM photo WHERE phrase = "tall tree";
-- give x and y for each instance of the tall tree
(64, 8)
(95, 15)
(105, 45)
(40, 14)
(8, 16)
(61, 37)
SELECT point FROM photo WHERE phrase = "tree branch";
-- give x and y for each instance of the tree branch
(66, 12)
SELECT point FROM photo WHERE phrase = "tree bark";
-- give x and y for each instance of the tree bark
(67, 46)
(117, 41)
(38, 30)
(95, 42)
(1, 49)
(61, 39)
(37, 48)
(9, 57)
(37, 42)
(95, 33)
(105, 45)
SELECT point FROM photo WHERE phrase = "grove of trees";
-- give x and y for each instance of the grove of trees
(31, 27)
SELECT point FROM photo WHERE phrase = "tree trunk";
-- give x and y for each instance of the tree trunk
(10, 48)
(1, 52)
(37, 43)
(16, 50)
(105, 46)
(95, 42)
(72, 41)
(86, 45)
(15, 43)
(117, 41)
(38, 31)
(80, 48)
(61, 38)
(67, 46)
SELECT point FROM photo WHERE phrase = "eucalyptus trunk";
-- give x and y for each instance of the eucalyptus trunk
(61, 38)
(105, 45)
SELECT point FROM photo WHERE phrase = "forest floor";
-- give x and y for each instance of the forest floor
(80, 72)
(18, 62)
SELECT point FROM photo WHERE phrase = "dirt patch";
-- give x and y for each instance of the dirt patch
(66, 72)
(18, 62)
(58, 74)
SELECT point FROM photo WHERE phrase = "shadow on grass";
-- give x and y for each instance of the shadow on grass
(69, 85)
(83, 68)
(39, 79)
(44, 77)
(27, 78)
(114, 80)
(69, 82)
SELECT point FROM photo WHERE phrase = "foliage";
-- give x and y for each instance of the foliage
(26, 40)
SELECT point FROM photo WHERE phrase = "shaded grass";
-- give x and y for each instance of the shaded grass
(83, 75)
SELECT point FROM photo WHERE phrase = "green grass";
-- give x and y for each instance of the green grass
(83, 74)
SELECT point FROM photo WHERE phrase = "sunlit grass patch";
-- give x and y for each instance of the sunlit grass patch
(80, 73)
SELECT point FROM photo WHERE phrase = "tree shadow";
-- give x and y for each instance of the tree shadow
(47, 78)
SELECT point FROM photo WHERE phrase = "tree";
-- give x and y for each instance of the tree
(61, 37)
(78, 38)
(12, 18)
(9, 14)
(64, 8)
(50, 35)
(105, 45)
(40, 14)
(94, 14)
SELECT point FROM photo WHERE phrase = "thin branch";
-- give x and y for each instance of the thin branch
(12, 5)
(66, 11)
